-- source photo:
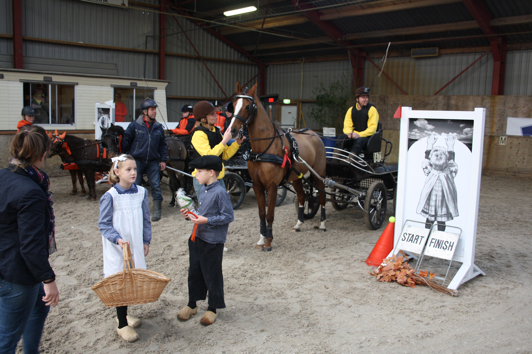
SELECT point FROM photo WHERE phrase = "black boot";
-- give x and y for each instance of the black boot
(156, 215)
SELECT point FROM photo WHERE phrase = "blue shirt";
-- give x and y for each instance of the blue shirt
(105, 222)
(215, 205)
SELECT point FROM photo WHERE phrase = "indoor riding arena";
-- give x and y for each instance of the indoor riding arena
(380, 191)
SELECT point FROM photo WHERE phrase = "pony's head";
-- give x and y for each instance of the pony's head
(57, 143)
(245, 109)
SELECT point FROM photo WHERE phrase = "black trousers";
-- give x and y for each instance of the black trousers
(359, 144)
(205, 272)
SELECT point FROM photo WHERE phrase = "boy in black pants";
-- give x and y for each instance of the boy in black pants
(206, 244)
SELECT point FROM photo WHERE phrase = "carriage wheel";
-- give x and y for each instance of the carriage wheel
(339, 201)
(235, 186)
(312, 202)
(281, 195)
(375, 205)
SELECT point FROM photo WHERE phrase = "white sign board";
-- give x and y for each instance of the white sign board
(442, 245)
(519, 126)
(412, 239)
(440, 165)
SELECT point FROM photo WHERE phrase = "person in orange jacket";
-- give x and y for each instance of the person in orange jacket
(187, 122)
(28, 116)
(120, 109)
(220, 120)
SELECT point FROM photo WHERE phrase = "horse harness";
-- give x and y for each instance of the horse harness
(271, 158)
(100, 156)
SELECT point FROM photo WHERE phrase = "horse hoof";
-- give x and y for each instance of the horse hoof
(73, 193)
(296, 230)
(266, 249)
(171, 205)
(323, 230)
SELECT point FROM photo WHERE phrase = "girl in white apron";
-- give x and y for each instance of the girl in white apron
(124, 219)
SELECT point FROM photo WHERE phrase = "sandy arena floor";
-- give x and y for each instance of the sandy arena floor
(312, 294)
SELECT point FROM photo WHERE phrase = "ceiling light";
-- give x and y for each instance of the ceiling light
(240, 11)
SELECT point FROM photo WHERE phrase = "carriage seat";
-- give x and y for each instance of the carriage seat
(374, 143)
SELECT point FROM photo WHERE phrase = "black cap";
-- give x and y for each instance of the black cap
(187, 108)
(28, 111)
(207, 162)
(217, 103)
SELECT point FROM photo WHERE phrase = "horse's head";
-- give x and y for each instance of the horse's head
(112, 140)
(57, 143)
(245, 107)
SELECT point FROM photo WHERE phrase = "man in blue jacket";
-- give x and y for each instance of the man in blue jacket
(145, 141)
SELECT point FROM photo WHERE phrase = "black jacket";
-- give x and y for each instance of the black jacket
(143, 143)
(24, 229)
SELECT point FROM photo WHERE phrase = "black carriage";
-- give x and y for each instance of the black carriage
(363, 181)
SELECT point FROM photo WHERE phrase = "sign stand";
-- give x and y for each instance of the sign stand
(441, 245)
(459, 135)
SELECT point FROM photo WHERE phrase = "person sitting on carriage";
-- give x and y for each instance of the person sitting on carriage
(208, 140)
(361, 121)
(28, 116)
(187, 122)
(221, 121)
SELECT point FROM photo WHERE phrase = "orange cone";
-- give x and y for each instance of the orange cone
(383, 247)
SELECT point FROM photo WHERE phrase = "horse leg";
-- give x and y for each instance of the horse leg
(91, 183)
(73, 176)
(261, 201)
(272, 199)
(81, 182)
(173, 184)
(322, 196)
(298, 186)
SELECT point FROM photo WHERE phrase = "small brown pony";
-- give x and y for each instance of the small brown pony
(267, 141)
(89, 155)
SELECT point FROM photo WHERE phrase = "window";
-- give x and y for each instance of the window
(53, 103)
(127, 102)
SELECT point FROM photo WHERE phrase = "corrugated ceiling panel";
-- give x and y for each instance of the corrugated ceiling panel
(206, 44)
(128, 64)
(287, 82)
(425, 76)
(189, 77)
(518, 78)
(6, 23)
(79, 21)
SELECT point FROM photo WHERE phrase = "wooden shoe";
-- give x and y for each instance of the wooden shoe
(208, 318)
(132, 321)
(186, 312)
(128, 334)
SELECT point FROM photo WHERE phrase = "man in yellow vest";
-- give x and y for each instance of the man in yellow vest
(361, 120)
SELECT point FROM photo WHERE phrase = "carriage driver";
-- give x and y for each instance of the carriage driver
(144, 140)
(361, 120)
(28, 116)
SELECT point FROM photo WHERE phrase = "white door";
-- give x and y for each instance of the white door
(288, 116)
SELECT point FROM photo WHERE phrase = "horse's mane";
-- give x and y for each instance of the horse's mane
(117, 129)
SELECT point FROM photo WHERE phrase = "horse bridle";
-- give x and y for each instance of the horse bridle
(55, 139)
(117, 141)
(252, 113)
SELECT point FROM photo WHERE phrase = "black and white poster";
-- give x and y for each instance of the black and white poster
(440, 162)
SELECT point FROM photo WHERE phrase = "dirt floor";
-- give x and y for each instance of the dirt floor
(312, 294)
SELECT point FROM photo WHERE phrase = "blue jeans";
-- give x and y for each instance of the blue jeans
(197, 186)
(22, 313)
(151, 169)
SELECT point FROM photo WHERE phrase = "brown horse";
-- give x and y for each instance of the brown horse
(272, 147)
(89, 155)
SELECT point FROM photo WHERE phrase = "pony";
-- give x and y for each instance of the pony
(272, 161)
(89, 155)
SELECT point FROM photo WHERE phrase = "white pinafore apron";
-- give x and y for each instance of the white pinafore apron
(128, 221)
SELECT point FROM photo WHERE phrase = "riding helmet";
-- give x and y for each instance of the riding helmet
(147, 104)
(187, 108)
(229, 107)
(362, 91)
(28, 111)
(217, 103)
(202, 109)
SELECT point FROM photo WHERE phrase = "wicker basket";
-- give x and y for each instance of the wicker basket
(131, 286)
